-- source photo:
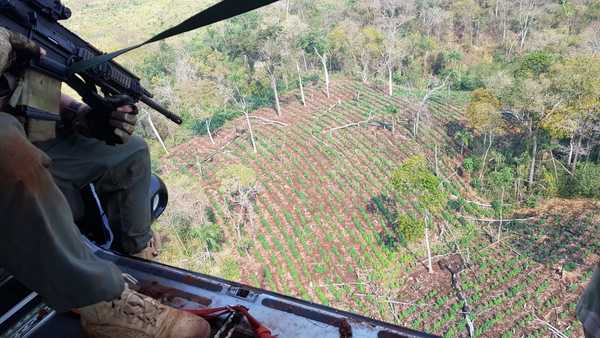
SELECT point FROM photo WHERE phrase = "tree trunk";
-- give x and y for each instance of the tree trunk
(576, 155)
(571, 146)
(301, 85)
(501, 214)
(323, 59)
(287, 9)
(276, 93)
(533, 156)
(429, 260)
(416, 123)
(365, 67)
(487, 151)
(390, 81)
(326, 75)
(208, 130)
(437, 169)
(305, 63)
(250, 130)
(155, 131)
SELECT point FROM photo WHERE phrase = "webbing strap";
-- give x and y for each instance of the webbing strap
(221, 11)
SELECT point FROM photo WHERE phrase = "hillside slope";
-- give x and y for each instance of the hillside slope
(321, 193)
(324, 209)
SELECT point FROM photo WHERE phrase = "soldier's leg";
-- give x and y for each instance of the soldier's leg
(121, 175)
(40, 245)
(588, 308)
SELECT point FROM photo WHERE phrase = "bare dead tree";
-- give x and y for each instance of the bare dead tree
(208, 121)
(268, 121)
(455, 269)
(300, 83)
(323, 58)
(526, 16)
(271, 71)
(594, 40)
(423, 105)
(273, 60)
(427, 245)
(392, 16)
(240, 200)
(156, 133)
(240, 101)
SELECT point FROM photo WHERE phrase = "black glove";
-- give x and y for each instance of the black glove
(111, 119)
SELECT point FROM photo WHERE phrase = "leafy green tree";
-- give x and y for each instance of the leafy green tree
(464, 138)
(484, 117)
(415, 178)
(317, 43)
(410, 228)
(535, 64)
(576, 115)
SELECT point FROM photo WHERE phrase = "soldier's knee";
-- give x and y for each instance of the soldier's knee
(10, 127)
(138, 147)
(138, 143)
(134, 166)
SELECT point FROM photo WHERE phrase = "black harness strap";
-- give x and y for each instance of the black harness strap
(221, 11)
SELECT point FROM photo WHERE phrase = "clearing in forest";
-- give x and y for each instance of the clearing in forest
(324, 210)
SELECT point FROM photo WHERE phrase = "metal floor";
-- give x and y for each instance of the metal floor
(286, 317)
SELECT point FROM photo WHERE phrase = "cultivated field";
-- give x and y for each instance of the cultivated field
(324, 210)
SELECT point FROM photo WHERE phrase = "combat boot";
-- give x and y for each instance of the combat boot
(134, 315)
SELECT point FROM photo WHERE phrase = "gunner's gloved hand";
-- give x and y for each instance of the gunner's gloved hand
(113, 122)
(15, 49)
(124, 118)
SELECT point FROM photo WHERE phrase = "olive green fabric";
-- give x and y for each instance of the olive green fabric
(40, 91)
(40, 244)
(121, 175)
(588, 309)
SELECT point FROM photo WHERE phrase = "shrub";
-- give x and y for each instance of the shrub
(584, 183)
(472, 164)
(410, 228)
(570, 266)
(217, 121)
(230, 269)
(550, 181)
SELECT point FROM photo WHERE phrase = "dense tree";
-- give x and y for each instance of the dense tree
(576, 115)
(415, 178)
(485, 118)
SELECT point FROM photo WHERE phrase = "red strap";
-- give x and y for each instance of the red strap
(261, 330)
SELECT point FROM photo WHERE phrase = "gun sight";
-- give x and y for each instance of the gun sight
(52, 8)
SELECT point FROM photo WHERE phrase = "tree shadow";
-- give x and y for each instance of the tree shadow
(387, 207)
(557, 238)
(454, 127)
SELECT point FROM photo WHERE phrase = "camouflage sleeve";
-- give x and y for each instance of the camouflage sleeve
(14, 46)
(5, 50)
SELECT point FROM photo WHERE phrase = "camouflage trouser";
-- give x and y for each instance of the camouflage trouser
(40, 244)
(588, 309)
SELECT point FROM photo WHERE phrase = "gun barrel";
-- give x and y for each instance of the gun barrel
(162, 110)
